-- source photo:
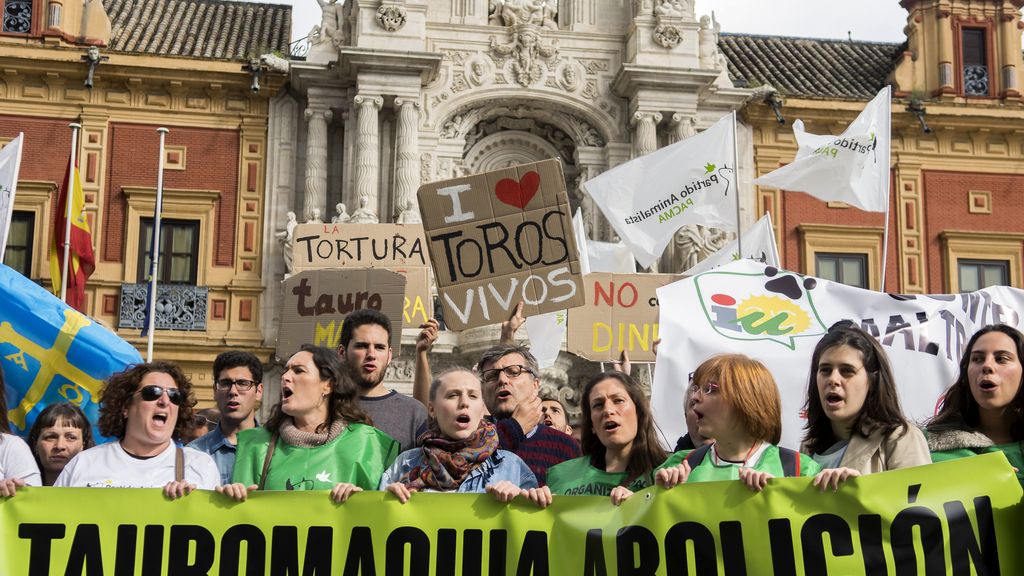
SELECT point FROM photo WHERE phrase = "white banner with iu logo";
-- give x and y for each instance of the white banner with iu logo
(778, 317)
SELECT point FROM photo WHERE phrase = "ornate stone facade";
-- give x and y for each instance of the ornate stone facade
(473, 85)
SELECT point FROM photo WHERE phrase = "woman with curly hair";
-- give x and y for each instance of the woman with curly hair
(317, 437)
(59, 433)
(854, 421)
(17, 467)
(983, 410)
(620, 445)
(145, 407)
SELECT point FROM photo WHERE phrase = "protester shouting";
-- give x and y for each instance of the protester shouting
(983, 411)
(737, 405)
(620, 445)
(59, 433)
(317, 436)
(854, 421)
(459, 452)
(145, 407)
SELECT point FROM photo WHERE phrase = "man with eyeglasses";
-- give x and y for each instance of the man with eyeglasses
(511, 382)
(237, 389)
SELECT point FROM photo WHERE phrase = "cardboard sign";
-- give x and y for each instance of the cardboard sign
(501, 237)
(621, 313)
(398, 247)
(318, 246)
(316, 303)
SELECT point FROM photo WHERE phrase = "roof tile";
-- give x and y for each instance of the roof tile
(810, 67)
(214, 29)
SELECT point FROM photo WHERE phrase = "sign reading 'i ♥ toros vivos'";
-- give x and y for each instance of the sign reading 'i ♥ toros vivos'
(499, 238)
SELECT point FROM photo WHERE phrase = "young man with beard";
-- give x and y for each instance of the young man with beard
(237, 389)
(365, 348)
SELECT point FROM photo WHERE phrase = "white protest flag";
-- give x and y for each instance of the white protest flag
(778, 317)
(10, 163)
(852, 167)
(758, 243)
(690, 182)
(596, 256)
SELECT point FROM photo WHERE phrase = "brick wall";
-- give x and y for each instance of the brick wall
(211, 164)
(47, 146)
(946, 208)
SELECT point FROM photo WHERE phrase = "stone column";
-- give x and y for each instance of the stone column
(946, 79)
(316, 160)
(682, 126)
(645, 133)
(367, 152)
(407, 174)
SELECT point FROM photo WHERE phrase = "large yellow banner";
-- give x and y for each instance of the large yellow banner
(958, 517)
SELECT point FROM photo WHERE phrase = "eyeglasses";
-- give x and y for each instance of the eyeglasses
(511, 371)
(708, 389)
(152, 393)
(225, 384)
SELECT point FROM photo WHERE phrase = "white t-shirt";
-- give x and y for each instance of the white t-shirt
(109, 466)
(16, 461)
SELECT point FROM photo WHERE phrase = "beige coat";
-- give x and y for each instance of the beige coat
(901, 449)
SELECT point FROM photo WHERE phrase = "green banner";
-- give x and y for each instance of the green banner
(959, 517)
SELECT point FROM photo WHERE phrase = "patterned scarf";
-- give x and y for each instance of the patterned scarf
(447, 463)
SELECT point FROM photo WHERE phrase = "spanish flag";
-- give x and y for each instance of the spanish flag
(83, 261)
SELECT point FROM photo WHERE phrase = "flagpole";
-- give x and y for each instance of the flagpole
(888, 184)
(736, 178)
(775, 245)
(155, 256)
(75, 127)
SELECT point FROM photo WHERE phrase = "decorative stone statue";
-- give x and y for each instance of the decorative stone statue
(707, 42)
(694, 243)
(314, 217)
(542, 13)
(330, 22)
(364, 215)
(342, 214)
(287, 239)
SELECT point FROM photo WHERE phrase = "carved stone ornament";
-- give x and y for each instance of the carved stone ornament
(527, 50)
(391, 18)
(667, 36)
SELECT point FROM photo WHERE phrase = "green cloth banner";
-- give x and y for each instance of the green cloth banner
(950, 518)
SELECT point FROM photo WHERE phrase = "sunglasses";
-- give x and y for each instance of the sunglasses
(152, 393)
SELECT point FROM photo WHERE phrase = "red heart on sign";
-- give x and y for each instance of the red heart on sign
(519, 193)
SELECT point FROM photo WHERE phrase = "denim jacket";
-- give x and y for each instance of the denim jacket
(502, 465)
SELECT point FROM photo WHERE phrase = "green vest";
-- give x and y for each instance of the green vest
(708, 471)
(577, 477)
(359, 455)
(1012, 450)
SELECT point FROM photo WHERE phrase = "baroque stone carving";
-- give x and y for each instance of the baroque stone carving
(674, 8)
(552, 134)
(512, 12)
(330, 27)
(407, 144)
(341, 214)
(667, 36)
(316, 159)
(708, 41)
(391, 18)
(527, 50)
(694, 243)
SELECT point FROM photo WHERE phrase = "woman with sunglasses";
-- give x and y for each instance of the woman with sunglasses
(317, 436)
(17, 467)
(620, 446)
(459, 451)
(59, 433)
(983, 411)
(737, 405)
(855, 424)
(146, 408)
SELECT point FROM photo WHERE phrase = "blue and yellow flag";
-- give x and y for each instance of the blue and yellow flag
(50, 352)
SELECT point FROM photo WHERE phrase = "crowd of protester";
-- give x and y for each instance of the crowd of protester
(337, 427)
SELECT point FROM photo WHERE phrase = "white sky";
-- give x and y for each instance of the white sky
(877, 20)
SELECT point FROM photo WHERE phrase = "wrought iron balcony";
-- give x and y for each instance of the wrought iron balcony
(178, 306)
(976, 80)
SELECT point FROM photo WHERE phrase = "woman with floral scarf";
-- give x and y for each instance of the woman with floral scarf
(459, 452)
